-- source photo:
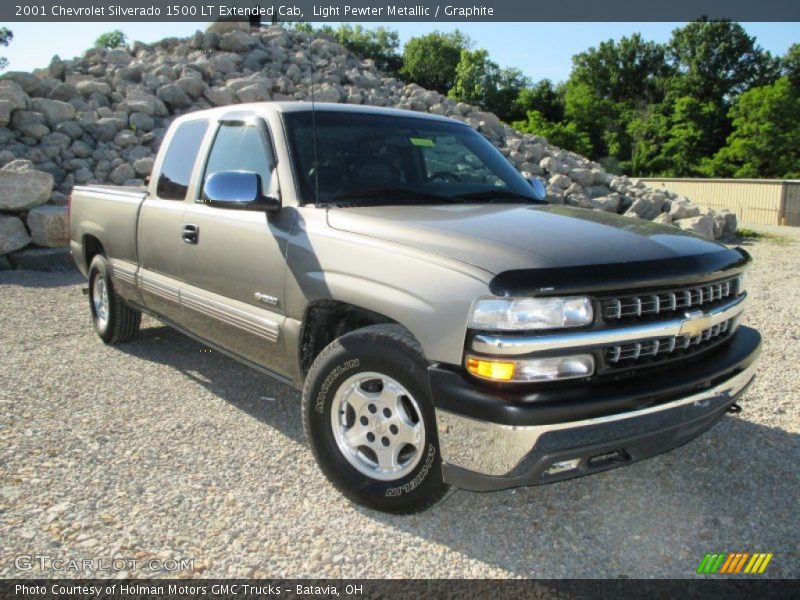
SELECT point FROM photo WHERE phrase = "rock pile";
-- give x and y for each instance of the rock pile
(101, 117)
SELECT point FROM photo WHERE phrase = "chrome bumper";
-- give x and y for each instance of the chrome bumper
(504, 451)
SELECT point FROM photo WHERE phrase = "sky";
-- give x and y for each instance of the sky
(539, 50)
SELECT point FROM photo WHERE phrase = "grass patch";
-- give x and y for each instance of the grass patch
(751, 235)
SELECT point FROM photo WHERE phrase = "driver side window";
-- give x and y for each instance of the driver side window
(239, 147)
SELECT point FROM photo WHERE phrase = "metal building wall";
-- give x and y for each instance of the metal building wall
(756, 201)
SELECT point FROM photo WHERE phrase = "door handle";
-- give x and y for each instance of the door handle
(190, 233)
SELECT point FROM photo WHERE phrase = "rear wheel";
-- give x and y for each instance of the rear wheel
(114, 321)
(370, 421)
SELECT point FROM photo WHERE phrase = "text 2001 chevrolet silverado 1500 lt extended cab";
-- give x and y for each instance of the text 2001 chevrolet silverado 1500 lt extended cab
(445, 324)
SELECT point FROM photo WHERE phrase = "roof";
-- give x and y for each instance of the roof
(295, 107)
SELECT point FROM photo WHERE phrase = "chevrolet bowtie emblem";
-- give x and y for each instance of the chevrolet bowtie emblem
(695, 323)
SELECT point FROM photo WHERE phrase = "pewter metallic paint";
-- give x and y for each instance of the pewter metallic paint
(422, 266)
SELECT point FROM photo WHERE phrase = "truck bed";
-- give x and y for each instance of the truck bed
(108, 214)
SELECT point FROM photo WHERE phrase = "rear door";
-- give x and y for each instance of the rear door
(235, 270)
(160, 235)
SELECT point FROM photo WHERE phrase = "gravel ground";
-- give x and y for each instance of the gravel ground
(162, 449)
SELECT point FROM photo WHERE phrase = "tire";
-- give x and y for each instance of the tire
(114, 321)
(369, 419)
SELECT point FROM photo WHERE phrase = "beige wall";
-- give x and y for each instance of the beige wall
(757, 201)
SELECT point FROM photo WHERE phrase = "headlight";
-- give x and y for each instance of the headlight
(554, 368)
(741, 283)
(514, 314)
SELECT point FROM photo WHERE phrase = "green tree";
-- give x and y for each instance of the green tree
(380, 44)
(482, 82)
(765, 141)
(111, 39)
(564, 135)
(431, 60)
(718, 60)
(609, 87)
(681, 134)
(790, 65)
(630, 71)
(544, 98)
(6, 35)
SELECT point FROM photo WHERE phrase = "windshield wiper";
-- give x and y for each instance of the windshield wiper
(389, 195)
(495, 195)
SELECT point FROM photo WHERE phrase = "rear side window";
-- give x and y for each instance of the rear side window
(239, 147)
(176, 171)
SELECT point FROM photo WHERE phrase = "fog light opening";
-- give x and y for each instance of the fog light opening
(609, 457)
(562, 466)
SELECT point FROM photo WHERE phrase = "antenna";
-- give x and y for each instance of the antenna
(314, 127)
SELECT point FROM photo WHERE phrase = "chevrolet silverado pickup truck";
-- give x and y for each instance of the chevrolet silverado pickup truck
(446, 325)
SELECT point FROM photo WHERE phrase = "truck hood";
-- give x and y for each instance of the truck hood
(511, 237)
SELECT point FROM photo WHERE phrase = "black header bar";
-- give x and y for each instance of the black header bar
(454, 11)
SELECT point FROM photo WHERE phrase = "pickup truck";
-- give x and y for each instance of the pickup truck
(446, 325)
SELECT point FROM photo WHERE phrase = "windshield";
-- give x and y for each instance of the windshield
(371, 159)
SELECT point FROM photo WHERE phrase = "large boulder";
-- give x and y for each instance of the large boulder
(55, 111)
(702, 225)
(236, 41)
(682, 208)
(13, 234)
(22, 187)
(646, 208)
(30, 123)
(49, 226)
(12, 93)
(174, 96)
(27, 81)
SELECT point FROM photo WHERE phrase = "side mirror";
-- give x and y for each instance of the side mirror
(538, 188)
(238, 190)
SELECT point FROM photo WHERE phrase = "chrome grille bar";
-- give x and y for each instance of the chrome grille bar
(663, 346)
(652, 304)
(511, 345)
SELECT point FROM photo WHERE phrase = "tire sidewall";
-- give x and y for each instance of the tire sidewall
(348, 358)
(99, 268)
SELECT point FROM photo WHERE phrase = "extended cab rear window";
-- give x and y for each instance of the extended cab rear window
(176, 171)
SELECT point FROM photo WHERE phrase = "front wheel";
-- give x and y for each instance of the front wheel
(370, 421)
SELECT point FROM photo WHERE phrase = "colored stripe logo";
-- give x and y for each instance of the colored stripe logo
(732, 563)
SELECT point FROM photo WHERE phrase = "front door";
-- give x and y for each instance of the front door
(235, 270)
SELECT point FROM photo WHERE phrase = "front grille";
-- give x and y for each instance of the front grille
(665, 348)
(662, 303)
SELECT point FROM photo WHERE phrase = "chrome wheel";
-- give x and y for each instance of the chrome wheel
(100, 301)
(378, 426)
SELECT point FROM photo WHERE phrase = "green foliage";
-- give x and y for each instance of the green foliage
(380, 44)
(564, 135)
(745, 232)
(542, 97)
(431, 60)
(482, 82)
(718, 60)
(672, 138)
(765, 141)
(631, 71)
(6, 35)
(111, 39)
(790, 65)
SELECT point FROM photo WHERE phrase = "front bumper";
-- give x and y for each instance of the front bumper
(497, 439)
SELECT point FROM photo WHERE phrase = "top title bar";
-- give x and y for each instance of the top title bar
(376, 11)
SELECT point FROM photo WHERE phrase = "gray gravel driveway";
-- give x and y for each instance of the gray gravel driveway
(163, 449)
